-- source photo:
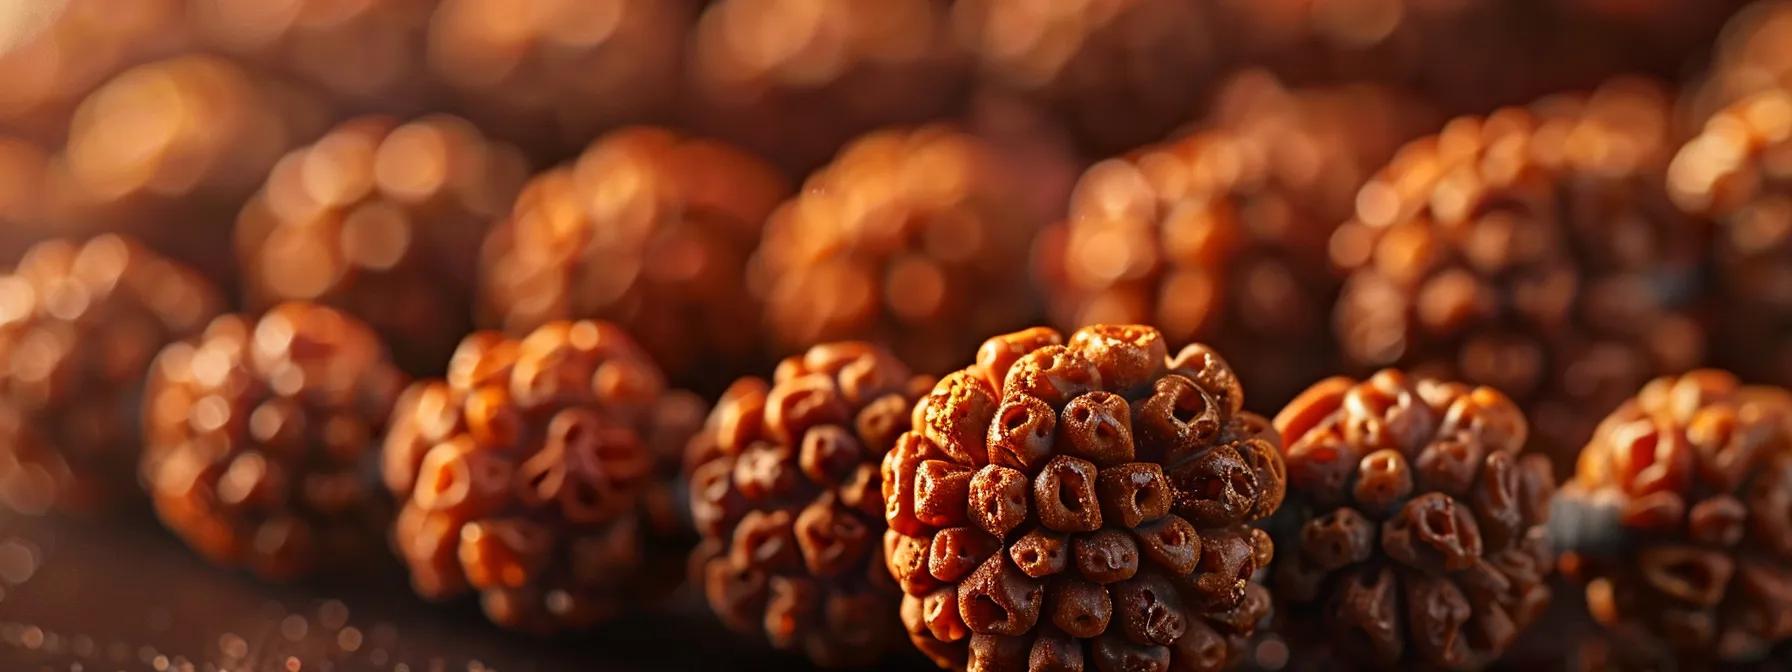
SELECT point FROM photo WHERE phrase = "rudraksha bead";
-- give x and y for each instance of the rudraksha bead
(1082, 505)
(1121, 73)
(1534, 250)
(786, 492)
(911, 237)
(80, 323)
(1414, 529)
(795, 79)
(260, 435)
(368, 53)
(1679, 521)
(1219, 236)
(169, 150)
(649, 229)
(546, 73)
(532, 475)
(384, 221)
(1738, 173)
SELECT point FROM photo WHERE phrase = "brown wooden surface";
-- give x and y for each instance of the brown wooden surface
(123, 595)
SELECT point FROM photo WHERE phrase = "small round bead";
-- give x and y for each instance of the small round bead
(1105, 520)
(1382, 562)
(257, 436)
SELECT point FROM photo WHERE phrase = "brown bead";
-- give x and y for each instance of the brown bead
(1731, 173)
(910, 236)
(75, 46)
(80, 323)
(1218, 235)
(1419, 537)
(178, 189)
(796, 79)
(532, 76)
(646, 228)
(786, 476)
(368, 53)
(1104, 523)
(550, 459)
(383, 220)
(1503, 252)
(258, 432)
(1670, 572)
(1069, 58)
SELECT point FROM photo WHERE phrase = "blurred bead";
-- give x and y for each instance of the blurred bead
(1121, 72)
(258, 435)
(1414, 531)
(1533, 250)
(795, 500)
(911, 237)
(536, 474)
(384, 221)
(795, 79)
(168, 151)
(1219, 236)
(1698, 472)
(646, 228)
(54, 52)
(551, 74)
(1752, 54)
(79, 325)
(1738, 171)
(369, 53)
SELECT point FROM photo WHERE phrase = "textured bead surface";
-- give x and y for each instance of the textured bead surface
(1533, 250)
(260, 435)
(534, 476)
(910, 237)
(384, 221)
(646, 228)
(80, 323)
(1414, 531)
(1694, 478)
(786, 493)
(1082, 504)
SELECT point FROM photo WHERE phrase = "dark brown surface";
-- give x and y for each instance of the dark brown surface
(77, 593)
